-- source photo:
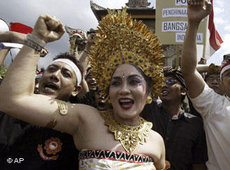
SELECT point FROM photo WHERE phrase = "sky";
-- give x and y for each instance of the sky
(78, 14)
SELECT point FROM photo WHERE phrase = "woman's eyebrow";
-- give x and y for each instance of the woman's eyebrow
(129, 77)
(116, 77)
(134, 76)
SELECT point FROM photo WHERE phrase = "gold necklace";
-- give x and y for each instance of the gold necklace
(129, 136)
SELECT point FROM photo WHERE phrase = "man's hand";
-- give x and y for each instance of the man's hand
(198, 9)
(48, 28)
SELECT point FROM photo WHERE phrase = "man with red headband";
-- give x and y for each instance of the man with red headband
(214, 108)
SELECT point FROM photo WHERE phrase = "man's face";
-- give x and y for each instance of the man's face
(172, 90)
(226, 82)
(78, 40)
(59, 81)
(213, 81)
(101, 102)
(91, 81)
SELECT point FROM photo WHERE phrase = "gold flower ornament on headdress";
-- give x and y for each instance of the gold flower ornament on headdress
(120, 40)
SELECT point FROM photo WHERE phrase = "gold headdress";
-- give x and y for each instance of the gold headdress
(120, 40)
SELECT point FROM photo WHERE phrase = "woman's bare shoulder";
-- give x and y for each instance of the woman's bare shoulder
(156, 136)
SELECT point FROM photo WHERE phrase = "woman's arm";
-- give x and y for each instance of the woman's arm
(12, 37)
(160, 164)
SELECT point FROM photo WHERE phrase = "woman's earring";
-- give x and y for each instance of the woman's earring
(149, 100)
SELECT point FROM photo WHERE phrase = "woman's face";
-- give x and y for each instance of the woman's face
(127, 94)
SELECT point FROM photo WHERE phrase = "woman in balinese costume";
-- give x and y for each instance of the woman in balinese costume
(127, 61)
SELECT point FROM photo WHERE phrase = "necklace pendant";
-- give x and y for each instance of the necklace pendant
(129, 136)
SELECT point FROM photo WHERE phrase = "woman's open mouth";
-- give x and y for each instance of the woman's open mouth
(126, 103)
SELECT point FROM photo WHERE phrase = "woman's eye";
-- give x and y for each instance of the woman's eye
(134, 82)
(115, 83)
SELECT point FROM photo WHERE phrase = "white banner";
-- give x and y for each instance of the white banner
(174, 26)
(180, 37)
(174, 12)
(181, 2)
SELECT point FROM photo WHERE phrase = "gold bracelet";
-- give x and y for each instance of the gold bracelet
(62, 109)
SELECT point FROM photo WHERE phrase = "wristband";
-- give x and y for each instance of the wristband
(37, 44)
(36, 40)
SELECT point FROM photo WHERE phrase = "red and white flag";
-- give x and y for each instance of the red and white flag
(13, 26)
(18, 27)
(214, 39)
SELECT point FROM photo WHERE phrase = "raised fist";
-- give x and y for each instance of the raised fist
(48, 28)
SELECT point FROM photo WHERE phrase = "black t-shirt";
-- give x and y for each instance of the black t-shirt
(88, 99)
(27, 147)
(184, 137)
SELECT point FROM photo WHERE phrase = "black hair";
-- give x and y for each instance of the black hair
(177, 74)
(72, 58)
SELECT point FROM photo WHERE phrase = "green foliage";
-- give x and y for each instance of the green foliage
(3, 70)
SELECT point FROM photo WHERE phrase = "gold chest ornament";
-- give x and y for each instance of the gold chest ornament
(129, 136)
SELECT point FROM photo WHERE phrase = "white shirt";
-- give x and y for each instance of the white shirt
(215, 110)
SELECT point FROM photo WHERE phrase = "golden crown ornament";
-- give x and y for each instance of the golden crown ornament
(120, 40)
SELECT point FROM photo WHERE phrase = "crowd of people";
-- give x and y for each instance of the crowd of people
(113, 104)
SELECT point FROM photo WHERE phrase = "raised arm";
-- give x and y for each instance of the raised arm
(17, 97)
(12, 37)
(84, 60)
(197, 10)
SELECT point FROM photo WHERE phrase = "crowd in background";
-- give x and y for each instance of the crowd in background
(179, 121)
